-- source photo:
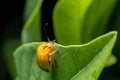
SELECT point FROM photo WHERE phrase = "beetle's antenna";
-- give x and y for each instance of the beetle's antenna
(46, 31)
(54, 41)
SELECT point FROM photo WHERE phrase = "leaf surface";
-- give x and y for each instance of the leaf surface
(75, 62)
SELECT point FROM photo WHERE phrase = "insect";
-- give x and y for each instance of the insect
(44, 55)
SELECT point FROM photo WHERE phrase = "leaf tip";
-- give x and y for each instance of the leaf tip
(114, 33)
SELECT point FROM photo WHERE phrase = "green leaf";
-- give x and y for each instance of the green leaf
(67, 18)
(31, 30)
(111, 61)
(96, 18)
(26, 65)
(29, 8)
(80, 21)
(75, 62)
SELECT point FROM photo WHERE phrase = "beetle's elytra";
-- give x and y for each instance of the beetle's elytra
(44, 55)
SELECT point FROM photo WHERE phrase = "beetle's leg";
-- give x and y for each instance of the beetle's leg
(49, 59)
(54, 62)
(54, 52)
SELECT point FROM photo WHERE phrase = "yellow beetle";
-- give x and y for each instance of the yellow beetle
(44, 55)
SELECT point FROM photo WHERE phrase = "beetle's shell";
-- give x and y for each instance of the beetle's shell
(44, 55)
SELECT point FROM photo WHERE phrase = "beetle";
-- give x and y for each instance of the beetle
(44, 55)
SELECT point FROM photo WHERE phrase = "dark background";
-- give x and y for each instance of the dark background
(12, 23)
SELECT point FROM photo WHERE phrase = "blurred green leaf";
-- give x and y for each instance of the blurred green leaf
(31, 30)
(116, 23)
(8, 47)
(96, 18)
(112, 72)
(111, 61)
(67, 18)
(76, 62)
(79, 21)
(29, 8)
